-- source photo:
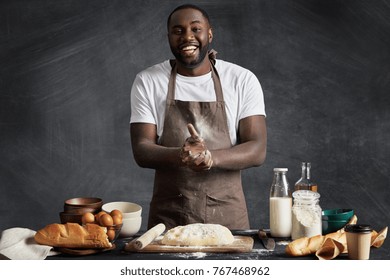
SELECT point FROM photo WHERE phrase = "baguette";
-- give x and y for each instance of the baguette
(72, 235)
(309, 245)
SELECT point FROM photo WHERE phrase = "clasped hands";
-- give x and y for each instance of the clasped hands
(194, 153)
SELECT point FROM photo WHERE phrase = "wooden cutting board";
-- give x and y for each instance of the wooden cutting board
(241, 244)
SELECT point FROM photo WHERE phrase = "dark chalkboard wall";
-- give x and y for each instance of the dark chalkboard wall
(67, 68)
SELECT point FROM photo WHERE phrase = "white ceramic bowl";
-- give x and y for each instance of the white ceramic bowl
(128, 209)
(130, 226)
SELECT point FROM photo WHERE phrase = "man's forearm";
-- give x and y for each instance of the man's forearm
(239, 157)
(149, 155)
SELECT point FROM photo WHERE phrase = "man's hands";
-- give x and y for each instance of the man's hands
(194, 152)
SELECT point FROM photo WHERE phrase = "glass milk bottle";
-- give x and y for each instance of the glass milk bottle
(280, 203)
(305, 182)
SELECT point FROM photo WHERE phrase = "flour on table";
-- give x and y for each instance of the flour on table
(283, 242)
(261, 251)
(195, 255)
(198, 234)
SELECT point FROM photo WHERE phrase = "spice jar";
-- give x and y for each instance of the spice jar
(280, 203)
(358, 241)
(306, 214)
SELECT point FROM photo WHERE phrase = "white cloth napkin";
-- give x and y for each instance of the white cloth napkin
(19, 244)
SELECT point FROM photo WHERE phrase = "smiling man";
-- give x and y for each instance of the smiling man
(198, 121)
(190, 52)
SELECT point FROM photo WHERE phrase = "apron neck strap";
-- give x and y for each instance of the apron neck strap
(213, 56)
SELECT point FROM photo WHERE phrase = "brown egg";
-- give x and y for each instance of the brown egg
(88, 218)
(111, 234)
(106, 220)
(98, 215)
(116, 212)
(117, 220)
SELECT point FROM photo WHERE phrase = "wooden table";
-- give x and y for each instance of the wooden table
(258, 253)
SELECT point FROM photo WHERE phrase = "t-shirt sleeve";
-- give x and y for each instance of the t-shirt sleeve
(141, 108)
(252, 97)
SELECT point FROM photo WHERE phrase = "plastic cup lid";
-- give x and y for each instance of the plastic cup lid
(358, 228)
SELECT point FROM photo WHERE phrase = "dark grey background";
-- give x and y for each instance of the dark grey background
(67, 68)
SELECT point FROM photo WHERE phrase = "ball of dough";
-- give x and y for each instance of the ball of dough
(198, 234)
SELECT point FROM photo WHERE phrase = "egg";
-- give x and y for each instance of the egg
(111, 234)
(106, 220)
(116, 212)
(87, 218)
(117, 220)
(98, 215)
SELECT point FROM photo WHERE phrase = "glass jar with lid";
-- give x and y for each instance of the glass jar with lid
(306, 214)
(280, 203)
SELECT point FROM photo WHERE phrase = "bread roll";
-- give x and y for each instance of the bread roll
(72, 235)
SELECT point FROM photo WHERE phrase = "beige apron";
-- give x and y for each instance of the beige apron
(182, 196)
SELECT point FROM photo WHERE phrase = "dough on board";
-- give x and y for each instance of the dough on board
(198, 235)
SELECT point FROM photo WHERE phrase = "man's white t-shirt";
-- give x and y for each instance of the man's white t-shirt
(241, 89)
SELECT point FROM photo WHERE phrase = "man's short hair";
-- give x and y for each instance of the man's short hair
(188, 6)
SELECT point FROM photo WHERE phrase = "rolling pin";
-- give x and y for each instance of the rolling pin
(145, 239)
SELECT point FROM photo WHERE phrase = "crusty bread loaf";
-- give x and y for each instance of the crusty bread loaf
(72, 235)
(309, 245)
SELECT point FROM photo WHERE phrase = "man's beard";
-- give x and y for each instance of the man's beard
(194, 63)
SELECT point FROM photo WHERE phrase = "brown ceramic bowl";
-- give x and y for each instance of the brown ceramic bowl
(75, 204)
(81, 211)
(70, 218)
